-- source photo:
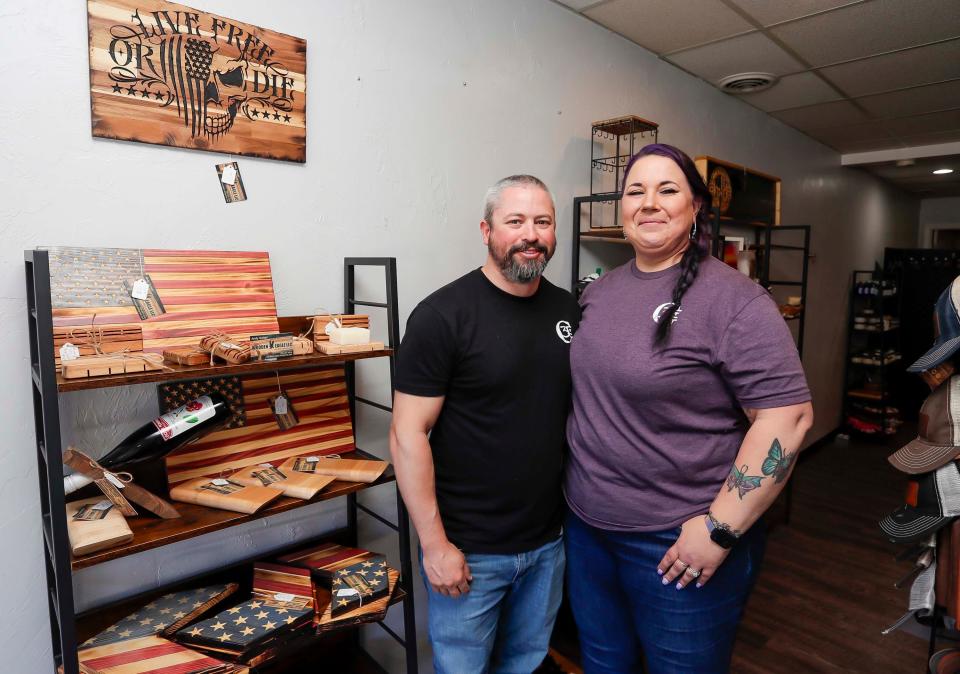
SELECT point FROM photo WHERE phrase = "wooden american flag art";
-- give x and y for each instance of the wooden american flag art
(151, 655)
(320, 397)
(201, 292)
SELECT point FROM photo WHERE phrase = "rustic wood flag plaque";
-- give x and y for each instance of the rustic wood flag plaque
(168, 74)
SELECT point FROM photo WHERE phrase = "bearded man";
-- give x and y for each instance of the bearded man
(477, 439)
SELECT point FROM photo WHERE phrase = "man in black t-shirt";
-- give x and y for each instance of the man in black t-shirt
(482, 394)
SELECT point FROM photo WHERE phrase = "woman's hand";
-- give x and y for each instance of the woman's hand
(693, 551)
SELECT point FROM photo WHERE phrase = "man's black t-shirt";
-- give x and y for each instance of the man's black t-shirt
(502, 362)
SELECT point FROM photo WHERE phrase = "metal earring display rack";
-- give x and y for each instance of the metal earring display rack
(58, 562)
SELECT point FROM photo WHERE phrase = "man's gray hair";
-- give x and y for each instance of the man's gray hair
(492, 198)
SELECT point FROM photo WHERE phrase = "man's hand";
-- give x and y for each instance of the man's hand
(693, 552)
(447, 569)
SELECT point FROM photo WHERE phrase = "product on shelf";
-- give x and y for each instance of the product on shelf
(340, 334)
(93, 340)
(95, 524)
(282, 601)
(161, 436)
(279, 345)
(224, 494)
(151, 655)
(175, 394)
(349, 470)
(226, 348)
(289, 483)
(164, 615)
(876, 357)
(186, 355)
(110, 364)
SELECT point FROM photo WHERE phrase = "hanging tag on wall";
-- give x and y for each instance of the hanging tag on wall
(140, 289)
(283, 411)
(231, 183)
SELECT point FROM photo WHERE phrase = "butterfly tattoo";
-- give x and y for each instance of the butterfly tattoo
(778, 463)
(743, 483)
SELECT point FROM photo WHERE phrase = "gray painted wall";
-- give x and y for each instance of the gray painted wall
(414, 108)
(942, 213)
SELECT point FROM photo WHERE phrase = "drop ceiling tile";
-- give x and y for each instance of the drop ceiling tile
(914, 101)
(753, 52)
(870, 28)
(837, 113)
(850, 146)
(666, 25)
(767, 12)
(937, 122)
(912, 67)
(793, 91)
(934, 138)
(863, 132)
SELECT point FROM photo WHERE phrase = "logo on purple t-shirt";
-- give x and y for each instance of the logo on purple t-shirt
(658, 312)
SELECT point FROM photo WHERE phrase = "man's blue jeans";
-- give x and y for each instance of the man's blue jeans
(625, 614)
(503, 624)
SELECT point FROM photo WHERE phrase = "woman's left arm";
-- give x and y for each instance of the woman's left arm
(763, 465)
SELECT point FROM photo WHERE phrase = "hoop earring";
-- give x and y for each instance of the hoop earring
(693, 231)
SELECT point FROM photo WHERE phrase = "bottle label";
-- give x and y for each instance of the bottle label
(177, 421)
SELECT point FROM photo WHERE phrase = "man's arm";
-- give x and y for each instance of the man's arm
(413, 417)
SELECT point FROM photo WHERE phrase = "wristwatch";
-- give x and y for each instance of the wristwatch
(720, 533)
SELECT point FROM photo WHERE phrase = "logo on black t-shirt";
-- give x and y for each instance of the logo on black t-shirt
(564, 331)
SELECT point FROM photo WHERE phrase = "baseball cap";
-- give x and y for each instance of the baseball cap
(938, 438)
(933, 500)
(946, 327)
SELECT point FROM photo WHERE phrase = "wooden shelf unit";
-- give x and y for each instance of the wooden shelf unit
(150, 532)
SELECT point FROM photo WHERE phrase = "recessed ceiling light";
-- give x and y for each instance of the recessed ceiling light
(940, 172)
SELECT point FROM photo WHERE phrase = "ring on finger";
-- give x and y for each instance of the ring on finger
(694, 572)
(683, 564)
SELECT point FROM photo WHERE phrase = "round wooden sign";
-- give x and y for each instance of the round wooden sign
(720, 188)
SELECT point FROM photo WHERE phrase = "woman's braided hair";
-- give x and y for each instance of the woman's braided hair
(697, 250)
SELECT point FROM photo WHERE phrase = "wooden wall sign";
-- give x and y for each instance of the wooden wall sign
(742, 194)
(168, 74)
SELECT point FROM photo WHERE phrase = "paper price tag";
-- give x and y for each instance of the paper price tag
(280, 405)
(229, 175)
(102, 505)
(140, 289)
(114, 480)
(220, 482)
(311, 459)
(266, 465)
(283, 596)
(347, 592)
(69, 352)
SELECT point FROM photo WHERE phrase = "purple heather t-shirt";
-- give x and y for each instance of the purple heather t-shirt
(653, 432)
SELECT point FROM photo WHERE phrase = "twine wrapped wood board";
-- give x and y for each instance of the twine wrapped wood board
(186, 355)
(88, 536)
(287, 482)
(322, 340)
(226, 348)
(97, 339)
(229, 496)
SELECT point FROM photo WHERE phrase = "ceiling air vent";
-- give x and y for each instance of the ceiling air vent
(747, 83)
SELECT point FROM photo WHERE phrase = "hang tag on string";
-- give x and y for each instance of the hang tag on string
(69, 352)
(229, 175)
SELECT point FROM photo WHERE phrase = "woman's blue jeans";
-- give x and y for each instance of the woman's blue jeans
(625, 614)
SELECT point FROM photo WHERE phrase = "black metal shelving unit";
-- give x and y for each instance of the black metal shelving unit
(57, 556)
(869, 387)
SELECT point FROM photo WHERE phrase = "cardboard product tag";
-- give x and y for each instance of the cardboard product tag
(111, 492)
(93, 512)
(114, 480)
(222, 486)
(231, 183)
(69, 352)
(283, 596)
(269, 475)
(148, 304)
(283, 412)
(305, 465)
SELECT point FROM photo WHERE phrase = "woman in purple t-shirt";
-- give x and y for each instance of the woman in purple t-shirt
(689, 408)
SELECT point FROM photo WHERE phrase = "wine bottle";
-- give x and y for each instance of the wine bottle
(161, 436)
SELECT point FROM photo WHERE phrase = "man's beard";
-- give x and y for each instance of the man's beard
(523, 271)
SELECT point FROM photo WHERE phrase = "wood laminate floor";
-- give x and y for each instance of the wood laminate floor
(826, 588)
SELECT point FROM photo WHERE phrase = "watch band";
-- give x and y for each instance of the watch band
(721, 533)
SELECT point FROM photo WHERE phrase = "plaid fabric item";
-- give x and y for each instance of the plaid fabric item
(162, 613)
(179, 393)
(151, 655)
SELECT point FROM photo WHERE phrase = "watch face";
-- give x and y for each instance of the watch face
(723, 538)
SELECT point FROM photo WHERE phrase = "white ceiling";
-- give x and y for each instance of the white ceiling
(857, 75)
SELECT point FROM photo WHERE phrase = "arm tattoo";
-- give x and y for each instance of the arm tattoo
(743, 483)
(778, 462)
